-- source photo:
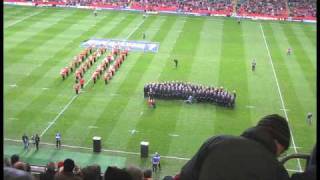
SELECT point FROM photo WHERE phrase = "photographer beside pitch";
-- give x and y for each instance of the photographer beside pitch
(250, 156)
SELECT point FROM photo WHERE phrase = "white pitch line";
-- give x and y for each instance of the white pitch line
(75, 96)
(105, 150)
(173, 135)
(280, 94)
(57, 117)
(285, 109)
(92, 127)
(293, 170)
(250, 106)
(45, 88)
(20, 20)
(13, 85)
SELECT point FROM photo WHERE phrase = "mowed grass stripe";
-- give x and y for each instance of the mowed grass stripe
(132, 88)
(38, 73)
(162, 122)
(262, 90)
(294, 68)
(310, 31)
(296, 113)
(115, 105)
(307, 67)
(233, 76)
(61, 57)
(205, 70)
(308, 46)
(84, 100)
(66, 51)
(44, 15)
(53, 34)
(10, 14)
(35, 41)
(39, 100)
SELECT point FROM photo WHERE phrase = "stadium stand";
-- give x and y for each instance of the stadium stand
(302, 9)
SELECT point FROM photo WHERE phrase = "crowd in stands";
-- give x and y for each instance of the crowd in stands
(278, 8)
(16, 169)
(302, 8)
(190, 92)
(262, 7)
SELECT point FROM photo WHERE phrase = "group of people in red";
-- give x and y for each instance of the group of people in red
(119, 57)
(75, 63)
(84, 67)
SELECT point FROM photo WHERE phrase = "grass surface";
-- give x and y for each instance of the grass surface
(38, 42)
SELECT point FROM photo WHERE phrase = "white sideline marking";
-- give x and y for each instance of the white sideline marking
(133, 131)
(45, 88)
(13, 85)
(279, 91)
(20, 20)
(106, 150)
(12, 118)
(248, 106)
(296, 147)
(173, 135)
(92, 127)
(75, 96)
(293, 170)
(285, 109)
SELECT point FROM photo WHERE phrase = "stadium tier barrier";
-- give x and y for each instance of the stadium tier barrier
(163, 9)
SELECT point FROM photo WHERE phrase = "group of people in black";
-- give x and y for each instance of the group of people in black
(186, 91)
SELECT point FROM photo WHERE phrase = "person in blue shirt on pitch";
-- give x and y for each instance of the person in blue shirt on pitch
(58, 140)
(155, 162)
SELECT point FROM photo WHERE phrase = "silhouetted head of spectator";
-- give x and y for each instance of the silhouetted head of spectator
(275, 126)
(135, 172)
(147, 173)
(168, 178)
(51, 167)
(68, 165)
(14, 158)
(114, 173)
(15, 174)
(92, 172)
(20, 165)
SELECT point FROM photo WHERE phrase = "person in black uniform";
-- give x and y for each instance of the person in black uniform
(175, 62)
(37, 140)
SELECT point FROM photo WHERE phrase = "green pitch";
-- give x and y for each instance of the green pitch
(38, 42)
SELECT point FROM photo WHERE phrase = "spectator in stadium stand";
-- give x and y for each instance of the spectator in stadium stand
(20, 165)
(147, 174)
(49, 172)
(114, 173)
(15, 174)
(135, 172)
(14, 158)
(67, 171)
(252, 155)
(92, 172)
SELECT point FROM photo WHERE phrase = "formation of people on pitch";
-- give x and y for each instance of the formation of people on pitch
(190, 93)
(84, 61)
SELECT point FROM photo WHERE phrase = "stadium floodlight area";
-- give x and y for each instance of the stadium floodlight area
(136, 46)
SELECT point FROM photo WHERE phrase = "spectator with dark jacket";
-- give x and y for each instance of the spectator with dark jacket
(49, 172)
(251, 156)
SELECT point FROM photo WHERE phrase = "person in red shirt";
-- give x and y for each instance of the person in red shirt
(63, 74)
(81, 83)
(106, 78)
